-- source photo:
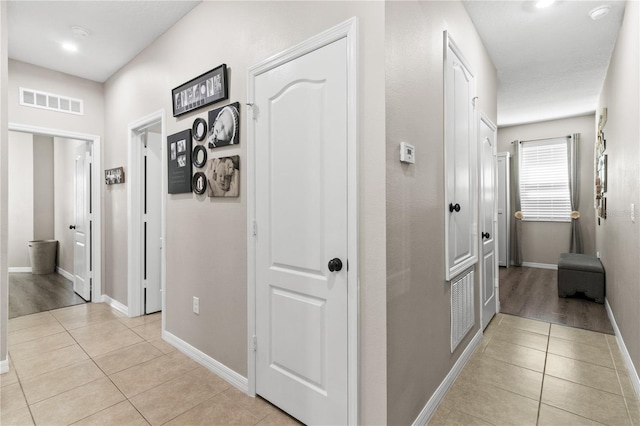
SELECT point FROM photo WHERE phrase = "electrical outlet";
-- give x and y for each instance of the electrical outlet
(196, 305)
(598, 254)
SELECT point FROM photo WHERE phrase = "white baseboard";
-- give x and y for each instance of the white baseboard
(237, 380)
(540, 265)
(64, 273)
(4, 366)
(631, 369)
(19, 269)
(115, 304)
(437, 397)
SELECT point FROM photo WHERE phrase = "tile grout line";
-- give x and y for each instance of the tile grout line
(615, 367)
(544, 369)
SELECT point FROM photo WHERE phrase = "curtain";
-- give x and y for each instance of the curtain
(574, 193)
(517, 234)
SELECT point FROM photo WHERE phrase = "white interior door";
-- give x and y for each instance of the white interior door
(301, 242)
(488, 218)
(82, 226)
(151, 226)
(504, 208)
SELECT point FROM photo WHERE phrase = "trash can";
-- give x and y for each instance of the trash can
(43, 256)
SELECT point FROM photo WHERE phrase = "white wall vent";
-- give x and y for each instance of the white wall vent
(462, 308)
(50, 101)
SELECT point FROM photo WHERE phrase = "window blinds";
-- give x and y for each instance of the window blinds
(544, 181)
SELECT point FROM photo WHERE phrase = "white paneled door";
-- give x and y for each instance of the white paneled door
(151, 222)
(301, 157)
(82, 226)
(488, 218)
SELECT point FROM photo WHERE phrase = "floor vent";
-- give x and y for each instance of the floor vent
(50, 101)
(462, 308)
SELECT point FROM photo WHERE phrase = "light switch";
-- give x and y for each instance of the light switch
(407, 153)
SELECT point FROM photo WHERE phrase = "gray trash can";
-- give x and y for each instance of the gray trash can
(43, 256)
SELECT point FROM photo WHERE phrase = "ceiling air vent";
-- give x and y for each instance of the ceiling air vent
(50, 101)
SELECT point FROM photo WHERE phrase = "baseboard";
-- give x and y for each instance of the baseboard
(540, 265)
(237, 380)
(64, 273)
(4, 366)
(437, 397)
(19, 269)
(631, 369)
(115, 304)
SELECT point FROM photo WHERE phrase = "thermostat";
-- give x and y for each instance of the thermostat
(407, 153)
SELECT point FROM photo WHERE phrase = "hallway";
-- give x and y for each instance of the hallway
(529, 372)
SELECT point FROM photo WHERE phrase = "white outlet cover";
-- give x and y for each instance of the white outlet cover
(407, 153)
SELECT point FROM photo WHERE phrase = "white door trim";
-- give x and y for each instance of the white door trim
(96, 194)
(135, 302)
(349, 31)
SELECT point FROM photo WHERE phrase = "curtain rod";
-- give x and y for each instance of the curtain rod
(543, 139)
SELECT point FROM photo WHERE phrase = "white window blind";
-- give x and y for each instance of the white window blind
(544, 181)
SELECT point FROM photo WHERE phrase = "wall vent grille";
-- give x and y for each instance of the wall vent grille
(51, 101)
(462, 308)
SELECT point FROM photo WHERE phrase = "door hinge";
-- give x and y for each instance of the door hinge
(255, 228)
(255, 343)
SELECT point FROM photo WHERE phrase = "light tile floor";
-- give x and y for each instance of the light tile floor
(91, 365)
(528, 372)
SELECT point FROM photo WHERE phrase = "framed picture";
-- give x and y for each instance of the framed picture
(179, 169)
(199, 183)
(223, 176)
(206, 89)
(199, 129)
(199, 156)
(114, 176)
(224, 125)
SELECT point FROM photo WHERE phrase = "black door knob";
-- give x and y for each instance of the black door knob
(72, 227)
(335, 265)
(486, 235)
(453, 207)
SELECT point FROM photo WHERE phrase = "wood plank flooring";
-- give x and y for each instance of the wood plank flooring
(30, 294)
(533, 293)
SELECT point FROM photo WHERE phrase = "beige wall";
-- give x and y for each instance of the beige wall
(43, 193)
(4, 143)
(618, 238)
(241, 34)
(542, 242)
(20, 199)
(418, 297)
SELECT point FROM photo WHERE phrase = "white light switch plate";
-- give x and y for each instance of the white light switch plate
(407, 153)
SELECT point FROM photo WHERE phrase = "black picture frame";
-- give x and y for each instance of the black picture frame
(114, 176)
(224, 126)
(206, 89)
(199, 156)
(179, 159)
(199, 183)
(199, 129)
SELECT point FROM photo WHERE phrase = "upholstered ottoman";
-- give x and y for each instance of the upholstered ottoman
(581, 273)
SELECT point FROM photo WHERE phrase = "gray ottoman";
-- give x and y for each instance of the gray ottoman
(581, 273)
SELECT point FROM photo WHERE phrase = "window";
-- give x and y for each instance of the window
(544, 181)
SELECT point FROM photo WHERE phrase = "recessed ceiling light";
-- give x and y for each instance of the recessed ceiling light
(599, 12)
(70, 47)
(544, 3)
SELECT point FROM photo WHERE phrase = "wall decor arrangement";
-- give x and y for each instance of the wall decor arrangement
(601, 166)
(114, 176)
(199, 156)
(179, 170)
(206, 89)
(224, 125)
(199, 129)
(223, 176)
(199, 183)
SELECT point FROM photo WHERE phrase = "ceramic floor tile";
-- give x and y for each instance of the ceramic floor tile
(439, 417)
(257, 406)
(17, 417)
(618, 359)
(40, 364)
(163, 346)
(552, 416)
(32, 333)
(458, 418)
(516, 355)
(578, 335)
(106, 327)
(28, 321)
(584, 373)
(627, 386)
(150, 374)
(584, 401)
(170, 399)
(522, 337)
(41, 345)
(136, 321)
(215, 411)
(526, 324)
(279, 419)
(77, 403)
(101, 343)
(581, 352)
(633, 405)
(8, 378)
(122, 413)
(12, 398)
(72, 320)
(121, 359)
(63, 379)
(149, 331)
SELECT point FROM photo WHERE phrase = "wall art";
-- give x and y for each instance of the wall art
(199, 183)
(224, 125)
(206, 89)
(199, 156)
(179, 158)
(114, 176)
(223, 176)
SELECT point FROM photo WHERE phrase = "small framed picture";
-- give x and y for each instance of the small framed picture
(206, 89)
(179, 170)
(223, 176)
(224, 126)
(199, 129)
(114, 176)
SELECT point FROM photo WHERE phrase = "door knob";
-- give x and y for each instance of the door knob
(453, 207)
(335, 265)
(486, 235)
(72, 227)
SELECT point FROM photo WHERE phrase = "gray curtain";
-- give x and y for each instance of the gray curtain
(517, 234)
(574, 193)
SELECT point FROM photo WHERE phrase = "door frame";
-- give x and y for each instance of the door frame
(349, 31)
(96, 195)
(486, 120)
(135, 289)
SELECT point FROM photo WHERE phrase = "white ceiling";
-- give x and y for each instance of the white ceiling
(119, 30)
(551, 62)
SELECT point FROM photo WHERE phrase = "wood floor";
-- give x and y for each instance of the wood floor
(30, 294)
(533, 293)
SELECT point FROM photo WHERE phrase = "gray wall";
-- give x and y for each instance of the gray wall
(542, 242)
(20, 201)
(43, 193)
(618, 238)
(4, 144)
(418, 297)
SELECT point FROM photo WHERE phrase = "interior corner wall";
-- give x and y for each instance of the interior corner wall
(43, 191)
(418, 296)
(542, 242)
(206, 239)
(20, 199)
(4, 142)
(618, 237)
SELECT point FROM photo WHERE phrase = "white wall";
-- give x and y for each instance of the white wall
(20, 201)
(43, 194)
(4, 143)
